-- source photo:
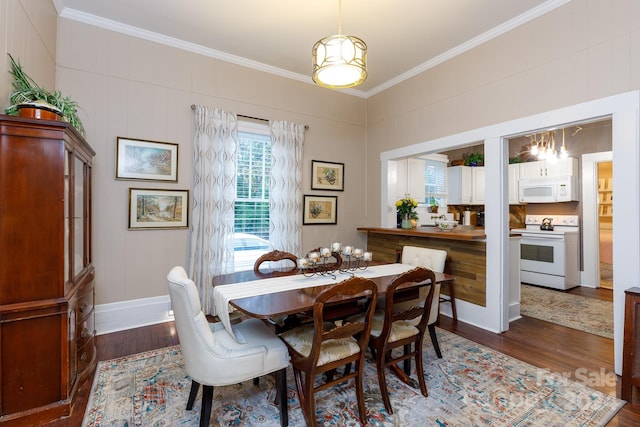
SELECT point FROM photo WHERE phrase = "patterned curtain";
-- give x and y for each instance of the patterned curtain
(212, 196)
(285, 193)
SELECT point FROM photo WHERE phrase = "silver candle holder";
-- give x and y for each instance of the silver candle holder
(348, 261)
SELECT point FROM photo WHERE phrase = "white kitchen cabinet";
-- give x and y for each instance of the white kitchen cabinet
(568, 166)
(514, 176)
(410, 179)
(465, 185)
(477, 179)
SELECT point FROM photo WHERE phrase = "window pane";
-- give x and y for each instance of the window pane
(251, 226)
(435, 181)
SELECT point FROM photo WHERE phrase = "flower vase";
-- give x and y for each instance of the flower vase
(406, 222)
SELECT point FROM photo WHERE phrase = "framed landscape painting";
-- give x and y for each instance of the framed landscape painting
(327, 176)
(320, 210)
(157, 209)
(146, 160)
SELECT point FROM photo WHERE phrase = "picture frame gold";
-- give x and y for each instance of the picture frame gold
(327, 176)
(151, 209)
(139, 159)
(320, 210)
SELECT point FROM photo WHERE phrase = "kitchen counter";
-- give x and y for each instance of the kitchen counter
(433, 232)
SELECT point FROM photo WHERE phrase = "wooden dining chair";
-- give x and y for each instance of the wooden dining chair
(404, 328)
(279, 257)
(324, 346)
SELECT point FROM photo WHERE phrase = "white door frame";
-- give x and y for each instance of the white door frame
(624, 110)
(590, 223)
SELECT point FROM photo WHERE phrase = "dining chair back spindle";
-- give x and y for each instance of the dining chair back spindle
(324, 345)
(212, 357)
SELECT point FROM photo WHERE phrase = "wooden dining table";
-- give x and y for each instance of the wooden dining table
(271, 304)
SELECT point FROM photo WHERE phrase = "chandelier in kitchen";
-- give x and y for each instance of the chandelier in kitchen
(339, 61)
(543, 145)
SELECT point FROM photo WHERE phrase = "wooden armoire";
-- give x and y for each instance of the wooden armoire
(47, 277)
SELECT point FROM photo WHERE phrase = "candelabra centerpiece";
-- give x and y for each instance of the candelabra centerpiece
(348, 260)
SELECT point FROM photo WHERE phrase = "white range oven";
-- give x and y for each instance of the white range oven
(550, 251)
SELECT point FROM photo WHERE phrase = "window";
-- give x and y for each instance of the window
(435, 179)
(251, 219)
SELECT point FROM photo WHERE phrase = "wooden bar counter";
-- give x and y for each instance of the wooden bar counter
(465, 248)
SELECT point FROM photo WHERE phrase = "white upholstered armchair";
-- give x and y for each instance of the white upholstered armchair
(212, 357)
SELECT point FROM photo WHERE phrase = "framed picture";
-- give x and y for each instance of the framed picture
(146, 160)
(155, 209)
(320, 210)
(327, 176)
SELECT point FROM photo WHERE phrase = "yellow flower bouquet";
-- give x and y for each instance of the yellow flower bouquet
(406, 206)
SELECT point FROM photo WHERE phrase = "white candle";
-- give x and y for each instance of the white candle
(335, 247)
(347, 250)
(303, 263)
(326, 252)
(368, 256)
(357, 253)
(314, 257)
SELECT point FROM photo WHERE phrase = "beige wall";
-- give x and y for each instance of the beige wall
(28, 33)
(135, 88)
(129, 87)
(585, 50)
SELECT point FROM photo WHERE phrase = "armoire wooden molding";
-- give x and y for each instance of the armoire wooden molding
(47, 277)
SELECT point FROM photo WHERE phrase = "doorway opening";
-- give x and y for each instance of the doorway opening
(605, 225)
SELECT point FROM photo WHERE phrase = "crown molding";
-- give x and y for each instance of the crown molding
(111, 25)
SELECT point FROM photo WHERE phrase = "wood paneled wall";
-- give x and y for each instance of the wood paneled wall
(467, 260)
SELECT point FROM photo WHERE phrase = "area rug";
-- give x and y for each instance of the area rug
(471, 386)
(573, 311)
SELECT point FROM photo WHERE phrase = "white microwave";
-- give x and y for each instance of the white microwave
(548, 189)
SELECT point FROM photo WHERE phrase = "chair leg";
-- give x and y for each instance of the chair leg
(195, 386)
(360, 390)
(407, 362)
(309, 407)
(420, 366)
(283, 404)
(452, 299)
(434, 340)
(382, 382)
(207, 400)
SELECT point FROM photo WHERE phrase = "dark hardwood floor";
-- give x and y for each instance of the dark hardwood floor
(581, 356)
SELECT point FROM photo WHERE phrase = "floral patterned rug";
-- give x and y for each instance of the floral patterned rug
(573, 311)
(471, 386)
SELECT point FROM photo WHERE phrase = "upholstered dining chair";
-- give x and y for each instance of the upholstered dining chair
(393, 328)
(281, 258)
(436, 260)
(212, 357)
(324, 346)
(433, 259)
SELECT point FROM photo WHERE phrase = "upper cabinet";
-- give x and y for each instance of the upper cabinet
(568, 166)
(514, 176)
(466, 185)
(410, 179)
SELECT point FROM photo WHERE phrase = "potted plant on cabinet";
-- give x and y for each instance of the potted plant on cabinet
(27, 95)
(474, 159)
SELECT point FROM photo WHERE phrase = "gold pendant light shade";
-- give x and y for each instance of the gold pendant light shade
(339, 61)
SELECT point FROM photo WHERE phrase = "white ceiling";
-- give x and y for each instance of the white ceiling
(404, 37)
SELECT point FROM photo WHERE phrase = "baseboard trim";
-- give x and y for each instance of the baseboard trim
(120, 316)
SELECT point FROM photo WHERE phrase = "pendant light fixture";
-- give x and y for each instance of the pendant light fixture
(339, 61)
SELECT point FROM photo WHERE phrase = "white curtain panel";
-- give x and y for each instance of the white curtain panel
(285, 192)
(212, 196)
